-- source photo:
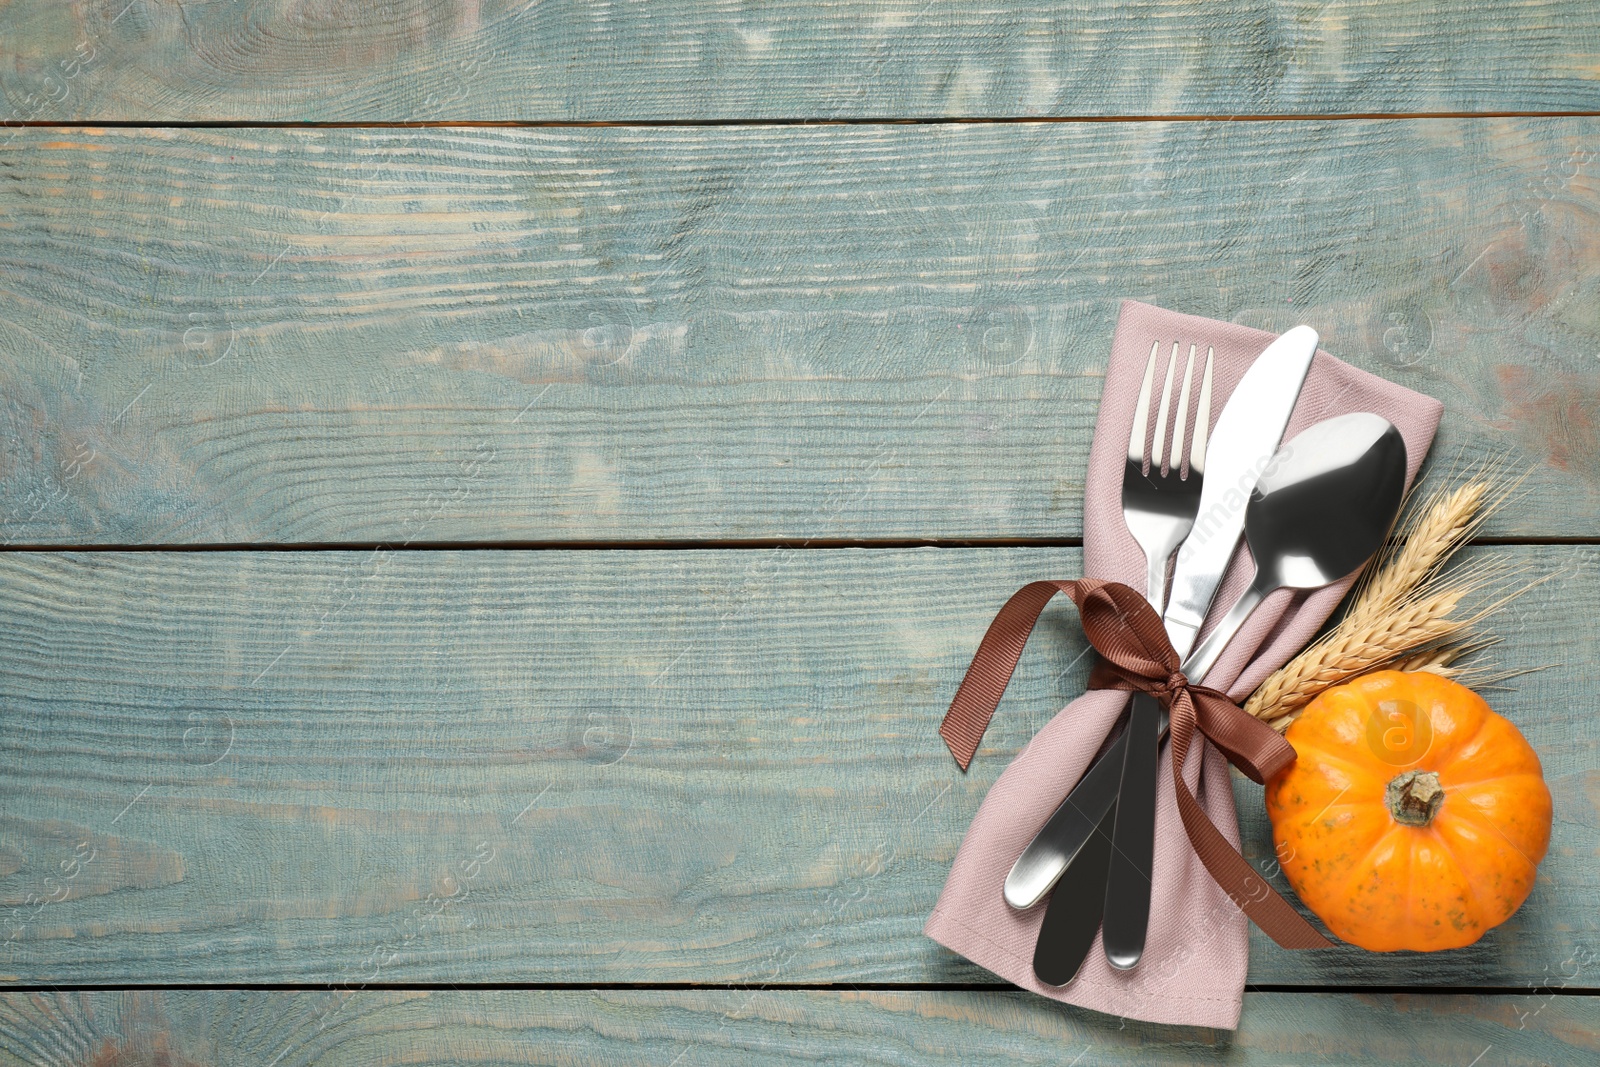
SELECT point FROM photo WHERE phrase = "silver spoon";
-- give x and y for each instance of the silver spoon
(1322, 508)
(1319, 511)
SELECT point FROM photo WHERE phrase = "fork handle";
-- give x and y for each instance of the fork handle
(1127, 885)
(1155, 578)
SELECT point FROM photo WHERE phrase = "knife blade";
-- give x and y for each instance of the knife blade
(1241, 448)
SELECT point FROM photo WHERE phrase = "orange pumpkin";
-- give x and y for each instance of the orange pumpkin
(1413, 817)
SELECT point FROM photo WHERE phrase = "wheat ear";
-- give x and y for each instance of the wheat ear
(1438, 659)
(1426, 542)
(1402, 613)
(1358, 645)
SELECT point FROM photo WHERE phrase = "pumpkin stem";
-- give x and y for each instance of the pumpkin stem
(1413, 798)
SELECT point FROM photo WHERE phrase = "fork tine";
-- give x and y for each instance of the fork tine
(1166, 405)
(1181, 422)
(1141, 414)
(1202, 422)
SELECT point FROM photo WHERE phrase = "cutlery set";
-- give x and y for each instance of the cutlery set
(1311, 512)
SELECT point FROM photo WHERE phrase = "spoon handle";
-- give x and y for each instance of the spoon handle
(1198, 663)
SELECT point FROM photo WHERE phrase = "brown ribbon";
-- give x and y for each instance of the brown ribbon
(1135, 654)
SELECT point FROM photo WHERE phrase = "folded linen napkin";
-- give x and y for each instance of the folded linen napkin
(1196, 952)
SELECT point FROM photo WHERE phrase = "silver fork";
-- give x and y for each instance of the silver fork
(1159, 509)
(1159, 503)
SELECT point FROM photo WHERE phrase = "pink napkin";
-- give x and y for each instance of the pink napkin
(1196, 952)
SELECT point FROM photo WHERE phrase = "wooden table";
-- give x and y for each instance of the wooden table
(498, 496)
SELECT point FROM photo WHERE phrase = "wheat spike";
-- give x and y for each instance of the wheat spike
(1356, 646)
(1402, 613)
(1437, 659)
(1428, 539)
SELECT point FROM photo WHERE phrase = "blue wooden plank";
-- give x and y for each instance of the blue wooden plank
(224, 336)
(693, 1028)
(586, 767)
(436, 60)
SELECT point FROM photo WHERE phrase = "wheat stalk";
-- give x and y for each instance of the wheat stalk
(1403, 612)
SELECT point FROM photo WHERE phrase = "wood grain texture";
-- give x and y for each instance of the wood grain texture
(591, 767)
(276, 60)
(845, 332)
(692, 1028)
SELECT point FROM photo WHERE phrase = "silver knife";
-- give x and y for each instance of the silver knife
(1041, 864)
(1241, 447)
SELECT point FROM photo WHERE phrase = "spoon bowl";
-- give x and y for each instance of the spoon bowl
(1327, 502)
(1320, 511)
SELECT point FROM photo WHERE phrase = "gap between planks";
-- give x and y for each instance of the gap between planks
(775, 987)
(791, 544)
(884, 120)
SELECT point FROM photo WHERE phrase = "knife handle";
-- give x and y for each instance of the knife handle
(1127, 885)
(1070, 922)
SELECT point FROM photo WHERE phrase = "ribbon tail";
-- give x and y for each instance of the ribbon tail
(1250, 744)
(1247, 889)
(1119, 623)
(992, 667)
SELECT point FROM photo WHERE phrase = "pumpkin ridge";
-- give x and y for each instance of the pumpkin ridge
(1466, 880)
(1365, 862)
(1492, 779)
(1333, 757)
(1302, 822)
(1405, 899)
(1472, 815)
(1362, 866)
(1341, 804)
(1454, 749)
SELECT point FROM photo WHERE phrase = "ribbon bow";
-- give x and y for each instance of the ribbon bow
(1135, 654)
